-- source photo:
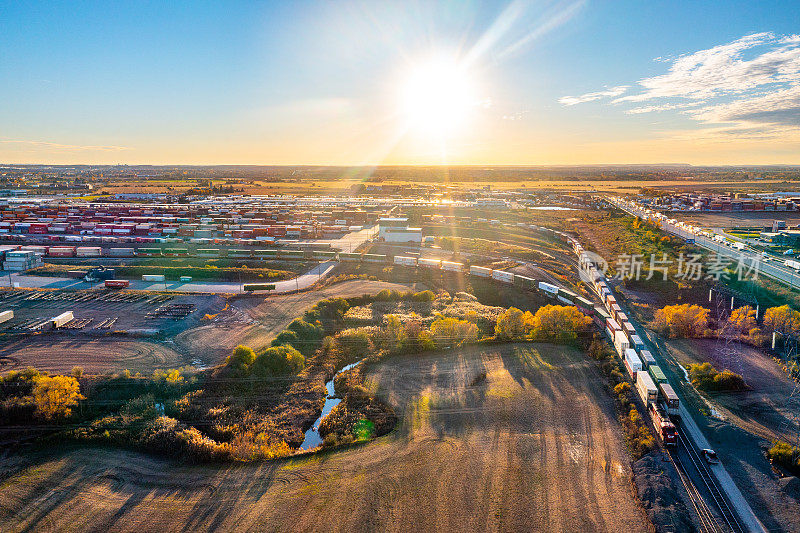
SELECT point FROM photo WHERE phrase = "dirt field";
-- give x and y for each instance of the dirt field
(534, 447)
(200, 342)
(751, 420)
(729, 220)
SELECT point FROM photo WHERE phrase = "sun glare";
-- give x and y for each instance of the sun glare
(437, 98)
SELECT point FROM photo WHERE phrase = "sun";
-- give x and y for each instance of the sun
(438, 97)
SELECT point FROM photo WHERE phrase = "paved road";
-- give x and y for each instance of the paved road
(301, 282)
(772, 268)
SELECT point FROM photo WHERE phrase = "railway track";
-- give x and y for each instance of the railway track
(726, 519)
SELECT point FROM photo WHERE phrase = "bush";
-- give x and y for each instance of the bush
(241, 358)
(286, 337)
(447, 331)
(684, 320)
(278, 361)
(308, 335)
(423, 296)
(785, 455)
(706, 377)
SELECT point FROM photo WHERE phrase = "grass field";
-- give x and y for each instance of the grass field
(532, 446)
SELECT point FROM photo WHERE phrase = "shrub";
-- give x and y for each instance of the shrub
(682, 320)
(241, 358)
(286, 337)
(448, 331)
(782, 319)
(308, 335)
(278, 361)
(706, 377)
(558, 322)
(785, 455)
(423, 296)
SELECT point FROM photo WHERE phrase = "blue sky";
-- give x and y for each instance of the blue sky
(551, 82)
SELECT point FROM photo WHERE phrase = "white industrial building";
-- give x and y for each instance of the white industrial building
(396, 229)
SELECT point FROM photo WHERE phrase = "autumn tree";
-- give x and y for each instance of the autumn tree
(449, 331)
(513, 324)
(782, 319)
(558, 322)
(55, 396)
(743, 319)
(684, 320)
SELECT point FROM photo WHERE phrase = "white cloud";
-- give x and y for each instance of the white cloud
(64, 147)
(589, 97)
(750, 85)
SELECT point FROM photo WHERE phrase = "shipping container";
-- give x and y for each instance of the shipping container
(120, 252)
(117, 283)
(405, 261)
(373, 258)
(657, 374)
(88, 251)
(63, 318)
(481, 272)
(250, 287)
(547, 288)
(525, 282)
(451, 266)
(647, 358)
(153, 277)
(503, 276)
(429, 263)
(637, 343)
(669, 398)
(632, 362)
(621, 343)
(185, 279)
(646, 388)
(7, 315)
(349, 257)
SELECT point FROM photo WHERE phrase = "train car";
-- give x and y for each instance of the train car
(374, 258)
(666, 429)
(657, 374)
(451, 266)
(628, 328)
(567, 297)
(548, 289)
(208, 252)
(148, 252)
(250, 287)
(647, 390)
(319, 255)
(286, 253)
(176, 252)
(405, 260)
(265, 254)
(349, 257)
(481, 272)
(429, 263)
(242, 254)
(632, 362)
(117, 284)
(525, 282)
(647, 358)
(503, 276)
(637, 343)
(120, 252)
(620, 343)
(669, 399)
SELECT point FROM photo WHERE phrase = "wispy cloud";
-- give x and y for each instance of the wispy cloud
(64, 147)
(752, 84)
(589, 97)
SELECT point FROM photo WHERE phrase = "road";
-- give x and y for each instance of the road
(770, 268)
(43, 282)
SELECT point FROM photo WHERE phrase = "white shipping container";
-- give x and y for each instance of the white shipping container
(5, 316)
(548, 288)
(647, 389)
(503, 276)
(405, 260)
(632, 362)
(482, 272)
(452, 267)
(431, 263)
(153, 277)
(88, 251)
(621, 343)
(62, 319)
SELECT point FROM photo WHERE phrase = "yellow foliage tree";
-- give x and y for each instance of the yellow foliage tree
(55, 396)
(513, 324)
(683, 320)
(782, 319)
(743, 319)
(558, 322)
(452, 331)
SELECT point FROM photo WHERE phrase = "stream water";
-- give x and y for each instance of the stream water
(312, 438)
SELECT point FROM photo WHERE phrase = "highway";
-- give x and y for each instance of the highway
(771, 268)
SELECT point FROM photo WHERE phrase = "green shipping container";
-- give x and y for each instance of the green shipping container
(657, 374)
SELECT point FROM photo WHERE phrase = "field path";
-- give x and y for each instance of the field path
(532, 446)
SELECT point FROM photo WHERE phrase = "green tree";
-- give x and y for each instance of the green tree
(278, 361)
(241, 358)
